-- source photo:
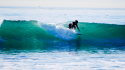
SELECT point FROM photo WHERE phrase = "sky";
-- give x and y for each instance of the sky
(66, 3)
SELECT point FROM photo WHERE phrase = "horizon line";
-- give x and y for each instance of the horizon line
(56, 7)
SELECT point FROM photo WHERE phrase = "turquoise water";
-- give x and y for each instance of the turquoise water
(35, 35)
(38, 38)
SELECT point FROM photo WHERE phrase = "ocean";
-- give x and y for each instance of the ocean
(38, 38)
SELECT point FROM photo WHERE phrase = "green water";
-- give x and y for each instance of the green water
(23, 35)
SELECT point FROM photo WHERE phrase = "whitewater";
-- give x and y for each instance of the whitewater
(39, 38)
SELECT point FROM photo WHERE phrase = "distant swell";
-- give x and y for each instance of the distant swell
(32, 34)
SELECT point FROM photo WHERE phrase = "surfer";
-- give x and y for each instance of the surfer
(73, 25)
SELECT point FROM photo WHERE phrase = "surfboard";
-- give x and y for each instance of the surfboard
(78, 33)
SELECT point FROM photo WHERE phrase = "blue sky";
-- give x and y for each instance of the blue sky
(66, 3)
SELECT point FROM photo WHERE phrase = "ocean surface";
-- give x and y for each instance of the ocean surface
(38, 38)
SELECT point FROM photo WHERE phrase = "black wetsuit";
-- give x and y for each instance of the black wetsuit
(72, 25)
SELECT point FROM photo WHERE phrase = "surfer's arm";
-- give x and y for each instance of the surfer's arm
(77, 27)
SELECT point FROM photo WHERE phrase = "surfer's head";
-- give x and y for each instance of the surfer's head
(76, 21)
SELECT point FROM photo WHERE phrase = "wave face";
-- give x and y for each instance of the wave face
(32, 34)
(106, 34)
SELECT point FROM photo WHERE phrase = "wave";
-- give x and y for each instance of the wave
(103, 32)
(22, 34)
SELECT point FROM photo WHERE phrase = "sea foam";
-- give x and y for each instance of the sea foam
(59, 31)
(1, 20)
